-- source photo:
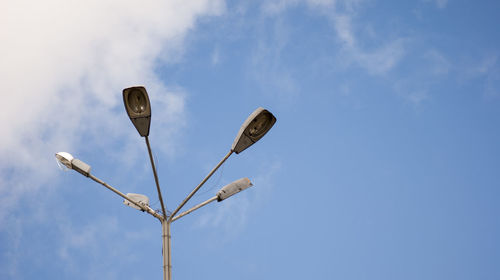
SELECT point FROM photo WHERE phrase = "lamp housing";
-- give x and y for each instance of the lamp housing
(233, 188)
(70, 162)
(81, 167)
(254, 128)
(138, 107)
(139, 198)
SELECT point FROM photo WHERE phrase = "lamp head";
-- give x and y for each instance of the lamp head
(233, 188)
(254, 128)
(67, 160)
(139, 198)
(138, 108)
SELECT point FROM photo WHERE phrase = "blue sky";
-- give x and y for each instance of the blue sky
(384, 162)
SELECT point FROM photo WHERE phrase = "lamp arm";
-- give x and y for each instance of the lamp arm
(199, 186)
(194, 208)
(156, 179)
(142, 207)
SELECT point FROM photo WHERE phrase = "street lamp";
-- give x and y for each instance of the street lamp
(136, 101)
(254, 128)
(138, 108)
(67, 160)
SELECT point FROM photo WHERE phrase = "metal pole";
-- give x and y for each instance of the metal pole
(167, 266)
(201, 184)
(156, 179)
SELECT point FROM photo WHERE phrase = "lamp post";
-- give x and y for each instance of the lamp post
(138, 108)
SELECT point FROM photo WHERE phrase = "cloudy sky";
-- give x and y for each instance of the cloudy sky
(384, 162)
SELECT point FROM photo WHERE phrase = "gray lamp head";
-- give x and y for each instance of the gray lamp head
(139, 198)
(254, 128)
(233, 188)
(138, 108)
(67, 160)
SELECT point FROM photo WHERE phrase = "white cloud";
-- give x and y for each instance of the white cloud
(382, 59)
(378, 60)
(417, 97)
(99, 242)
(413, 90)
(486, 65)
(342, 24)
(487, 71)
(215, 56)
(439, 64)
(88, 237)
(267, 66)
(231, 215)
(64, 64)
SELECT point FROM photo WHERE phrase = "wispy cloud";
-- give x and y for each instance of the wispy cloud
(86, 237)
(359, 44)
(428, 68)
(215, 59)
(438, 62)
(485, 65)
(376, 60)
(381, 60)
(486, 71)
(266, 64)
(231, 215)
(342, 24)
(97, 243)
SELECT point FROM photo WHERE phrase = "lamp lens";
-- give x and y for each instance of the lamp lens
(137, 101)
(64, 159)
(260, 125)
